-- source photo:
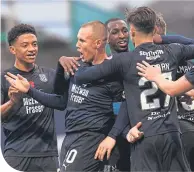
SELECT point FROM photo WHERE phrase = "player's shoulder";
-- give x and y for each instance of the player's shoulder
(123, 56)
(46, 69)
(171, 48)
(3, 73)
(12, 69)
(83, 64)
(173, 45)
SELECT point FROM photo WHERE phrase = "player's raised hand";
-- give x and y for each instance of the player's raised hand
(69, 64)
(105, 147)
(148, 71)
(14, 94)
(18, 82)
(134, 134)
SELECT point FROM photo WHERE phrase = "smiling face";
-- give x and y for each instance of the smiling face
(86, 44)
(118, 36)
(25, 48)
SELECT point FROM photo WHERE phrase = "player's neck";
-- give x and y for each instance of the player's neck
(24, 67)
(112, 50)
(99, 57)
(141, 39)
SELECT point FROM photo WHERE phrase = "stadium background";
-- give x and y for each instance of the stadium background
(57, 23)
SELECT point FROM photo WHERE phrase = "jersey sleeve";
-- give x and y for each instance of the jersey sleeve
(61, 82)
(121, 123)
(182, 52)
(168, 39)
(50, 100)
(107, 68)
(58, 100)
(190, 76)
(117, 92)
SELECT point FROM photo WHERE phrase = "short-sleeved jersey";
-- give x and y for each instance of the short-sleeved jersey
(90, 105)
(185, 103)
(148, 104)
(29, 127)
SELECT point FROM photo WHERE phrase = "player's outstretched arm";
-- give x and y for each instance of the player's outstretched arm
(168, 39)
(61, 81)
(171, 88)
(99, 71)
(122, 122)
(106, 146)
(49, 100)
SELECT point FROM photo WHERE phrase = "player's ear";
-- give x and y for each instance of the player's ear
(156, 30)
(132, 32)
(98, 43)
(12, 50)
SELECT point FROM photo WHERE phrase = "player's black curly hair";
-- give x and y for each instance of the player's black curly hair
(19, 30)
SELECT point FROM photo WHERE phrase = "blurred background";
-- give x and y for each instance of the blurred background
(58, 21)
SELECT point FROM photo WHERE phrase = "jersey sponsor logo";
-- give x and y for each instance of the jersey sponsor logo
(157, 115)
(43, 77)
(151, 55)
(32, 106)
(78, 93)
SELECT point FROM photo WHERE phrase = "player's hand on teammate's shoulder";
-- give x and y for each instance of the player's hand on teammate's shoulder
(18, 82)
(14, 95)
(134, 134)
(70, 64)
(105, 148)
(148, 71)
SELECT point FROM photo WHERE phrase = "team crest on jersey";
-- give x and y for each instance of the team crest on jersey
(43, 77)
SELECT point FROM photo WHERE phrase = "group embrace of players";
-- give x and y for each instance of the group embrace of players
(154, 129)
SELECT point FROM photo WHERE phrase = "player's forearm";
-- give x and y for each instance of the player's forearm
(61, 83)
(121, 122)
(88, 74)
(6, 108)
(50, 100)
(99, 71)
(173, 88)
(176, 39)
(125, 131)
